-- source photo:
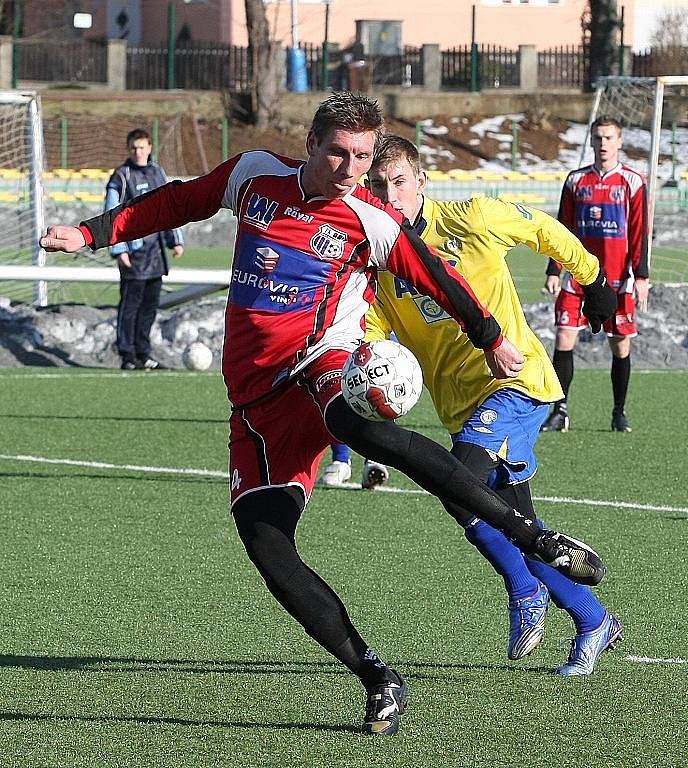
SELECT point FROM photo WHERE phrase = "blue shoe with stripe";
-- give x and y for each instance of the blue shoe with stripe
(527, 623)
(587, 647)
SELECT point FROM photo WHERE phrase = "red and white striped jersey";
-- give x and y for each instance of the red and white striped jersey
(608, 213)
(304, 267)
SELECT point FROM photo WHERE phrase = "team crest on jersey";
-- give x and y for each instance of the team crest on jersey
(584, 193)
(328, 242)
(617, 193)
(260, 211)
(453, 245)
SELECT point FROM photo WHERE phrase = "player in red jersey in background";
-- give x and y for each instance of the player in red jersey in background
(309, 243)
(605, 204)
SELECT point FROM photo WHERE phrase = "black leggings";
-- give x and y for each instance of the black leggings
(266, 521)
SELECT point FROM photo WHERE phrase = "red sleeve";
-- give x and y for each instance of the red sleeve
(167, 207)
(412, 260)
(638, 231)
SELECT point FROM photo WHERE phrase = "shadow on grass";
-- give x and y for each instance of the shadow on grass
(39, 717)
(416, 670)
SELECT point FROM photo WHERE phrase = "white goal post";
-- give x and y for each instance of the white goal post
(21, 183)
(636, 102)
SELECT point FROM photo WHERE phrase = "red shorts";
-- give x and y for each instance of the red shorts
(568, 314)
(279, 442)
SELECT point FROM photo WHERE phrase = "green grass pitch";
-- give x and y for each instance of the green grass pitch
(134, 632)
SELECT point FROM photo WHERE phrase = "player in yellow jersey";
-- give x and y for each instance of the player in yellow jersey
(494, 423)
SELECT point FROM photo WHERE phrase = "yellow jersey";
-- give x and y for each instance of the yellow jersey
(474, 236)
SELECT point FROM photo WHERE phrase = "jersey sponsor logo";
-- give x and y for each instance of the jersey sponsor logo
(430, 310)
(603, 220)
(328, 242)
(281, 293)
(273, 276)
(584, 192)
(298, 214)
(267, 258)
(142, 186)
(260, 211)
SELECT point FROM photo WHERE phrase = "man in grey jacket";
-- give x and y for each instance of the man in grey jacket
(143, 262)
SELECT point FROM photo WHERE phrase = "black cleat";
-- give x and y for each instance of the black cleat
(150, 364)
(571, 557)
(620, 422)
(557, 421)
(385, 705)
(131, 364)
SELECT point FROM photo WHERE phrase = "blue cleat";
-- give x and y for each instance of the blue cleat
(527, 623)
(587, 646)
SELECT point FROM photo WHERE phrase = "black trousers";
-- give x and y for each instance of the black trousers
(138, 305)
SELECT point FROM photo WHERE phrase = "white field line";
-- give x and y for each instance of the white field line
(105, 375)
(348, 486)
(650, 660)
(106, 465)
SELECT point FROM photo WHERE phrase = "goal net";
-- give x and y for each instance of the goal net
(21, 190)
(654, 114)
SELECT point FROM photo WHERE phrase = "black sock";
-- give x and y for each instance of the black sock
(563, 365)
(621, 373)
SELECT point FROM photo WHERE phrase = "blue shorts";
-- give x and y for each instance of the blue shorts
(507, 424)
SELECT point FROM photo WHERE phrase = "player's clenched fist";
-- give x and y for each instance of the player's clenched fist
(505, 362)
(67, 239)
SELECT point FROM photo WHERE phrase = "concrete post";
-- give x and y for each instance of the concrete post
(528, 59)
(5, 62)
(280, 66)
(117, 65)
(431, 59)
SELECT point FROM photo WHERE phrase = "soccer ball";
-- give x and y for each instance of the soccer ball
(197, 357)
(381, 380)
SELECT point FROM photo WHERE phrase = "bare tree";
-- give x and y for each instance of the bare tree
(671, 29)
(600, 29)
(263, 73)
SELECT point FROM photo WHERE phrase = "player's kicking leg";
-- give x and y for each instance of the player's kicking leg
(440, 473)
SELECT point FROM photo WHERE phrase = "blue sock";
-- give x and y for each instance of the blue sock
(504, 557)
(341, 452)
(577, 600)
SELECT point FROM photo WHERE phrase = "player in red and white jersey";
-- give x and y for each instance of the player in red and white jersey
(605, 205)
(309, 243)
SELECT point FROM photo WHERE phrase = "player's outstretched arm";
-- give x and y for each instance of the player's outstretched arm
(61, 238)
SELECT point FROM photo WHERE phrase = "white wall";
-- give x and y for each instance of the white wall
(646, 14)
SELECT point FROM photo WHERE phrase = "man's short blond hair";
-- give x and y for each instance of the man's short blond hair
(393, 148)
(348, 111)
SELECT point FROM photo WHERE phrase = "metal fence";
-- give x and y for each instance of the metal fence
(565, 66)
(655, 62)
(496, 67)
(201, 66)
(63, 61)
